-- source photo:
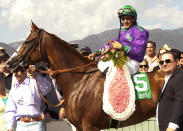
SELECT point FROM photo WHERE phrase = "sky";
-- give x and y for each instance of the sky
(76, 19)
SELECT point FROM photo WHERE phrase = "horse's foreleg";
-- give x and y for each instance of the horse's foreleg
(75, 129)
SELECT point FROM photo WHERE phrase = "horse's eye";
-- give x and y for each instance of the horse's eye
(28, 41)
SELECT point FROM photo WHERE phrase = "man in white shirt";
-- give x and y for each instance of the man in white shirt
(151, 55)
(24, 102)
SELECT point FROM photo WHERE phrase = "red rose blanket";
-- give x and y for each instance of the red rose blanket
(119, 94)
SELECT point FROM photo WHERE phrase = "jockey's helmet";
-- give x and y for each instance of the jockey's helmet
(127, 10)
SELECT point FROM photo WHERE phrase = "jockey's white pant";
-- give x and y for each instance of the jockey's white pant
(132, 65)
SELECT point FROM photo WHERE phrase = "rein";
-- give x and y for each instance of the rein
(69, 70)
(76, 68)
(55, 72)
(45, 98)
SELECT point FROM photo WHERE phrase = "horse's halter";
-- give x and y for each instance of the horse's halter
(34, 43)
(22, 59)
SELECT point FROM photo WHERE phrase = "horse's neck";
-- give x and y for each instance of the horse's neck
(63, 59)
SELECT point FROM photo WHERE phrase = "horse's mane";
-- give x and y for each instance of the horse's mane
(68, 47)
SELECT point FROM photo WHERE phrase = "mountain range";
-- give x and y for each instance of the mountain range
(174, 38)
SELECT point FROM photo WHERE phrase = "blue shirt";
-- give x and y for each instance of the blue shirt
(24, 99)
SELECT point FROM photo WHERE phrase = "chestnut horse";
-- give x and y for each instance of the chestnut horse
(82, 88)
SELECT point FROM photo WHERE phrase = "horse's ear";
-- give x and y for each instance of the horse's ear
(33, 26)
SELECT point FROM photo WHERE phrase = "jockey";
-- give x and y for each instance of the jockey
(132, 38)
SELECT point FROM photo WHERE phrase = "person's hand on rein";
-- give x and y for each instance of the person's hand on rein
(91, 56)
(32, 71)
(116, 45)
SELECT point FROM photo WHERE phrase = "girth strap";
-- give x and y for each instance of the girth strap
(114, 123)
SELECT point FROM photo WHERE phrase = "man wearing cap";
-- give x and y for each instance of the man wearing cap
(3, 58)
(3, 55)
(24, 102)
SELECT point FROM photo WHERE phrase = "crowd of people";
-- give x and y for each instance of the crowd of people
(23, 108)
(151, 61)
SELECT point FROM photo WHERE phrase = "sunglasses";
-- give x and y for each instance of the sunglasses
(85, 53)
(126, 10)
(166, 61)
(143, 66)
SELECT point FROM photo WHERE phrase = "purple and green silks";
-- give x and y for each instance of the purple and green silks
(135, 39)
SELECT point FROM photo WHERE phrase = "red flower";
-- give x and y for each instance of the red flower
(106, 55)
(122, 52)
(113, 50)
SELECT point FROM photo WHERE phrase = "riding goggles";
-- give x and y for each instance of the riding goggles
(166, 61)
(126, 11)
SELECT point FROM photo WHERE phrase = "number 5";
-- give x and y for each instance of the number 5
(143, 84)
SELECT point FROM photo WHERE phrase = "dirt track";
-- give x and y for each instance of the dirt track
(58, 126)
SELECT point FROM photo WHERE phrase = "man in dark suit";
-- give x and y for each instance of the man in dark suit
(170, 107)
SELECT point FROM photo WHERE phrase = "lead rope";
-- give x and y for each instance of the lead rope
(45, 98)
(76, 68)
(68, 70)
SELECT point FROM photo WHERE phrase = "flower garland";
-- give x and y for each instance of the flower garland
(117, 56)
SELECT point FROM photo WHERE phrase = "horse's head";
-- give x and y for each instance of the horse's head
(28, 52)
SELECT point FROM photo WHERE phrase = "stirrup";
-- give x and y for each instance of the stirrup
(105, 71)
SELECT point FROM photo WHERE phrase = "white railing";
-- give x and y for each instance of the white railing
(149, 125)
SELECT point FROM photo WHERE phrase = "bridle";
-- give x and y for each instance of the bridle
(26, 56)
(32, 44)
